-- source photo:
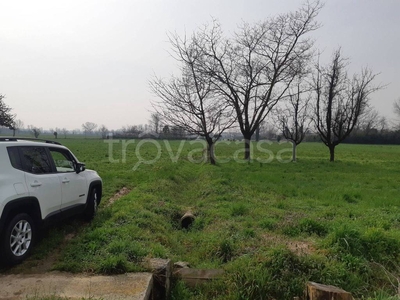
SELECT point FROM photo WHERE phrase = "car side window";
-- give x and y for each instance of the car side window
(35, 160)
(15, 160)
(63, 160)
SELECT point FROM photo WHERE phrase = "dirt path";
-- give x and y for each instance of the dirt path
(39, 266)
(46, 264)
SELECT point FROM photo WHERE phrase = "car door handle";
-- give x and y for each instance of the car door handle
(36, 183)
(65, 180)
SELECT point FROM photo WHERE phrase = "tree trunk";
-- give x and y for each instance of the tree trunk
(247, 145)
(332, 153)
(294, 154)
(210, 151)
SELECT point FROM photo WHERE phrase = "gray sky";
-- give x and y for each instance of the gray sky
(63, 63)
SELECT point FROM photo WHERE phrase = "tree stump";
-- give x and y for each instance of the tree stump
(316, 291)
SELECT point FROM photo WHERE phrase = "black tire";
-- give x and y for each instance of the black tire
(92, 204)
(18, 239)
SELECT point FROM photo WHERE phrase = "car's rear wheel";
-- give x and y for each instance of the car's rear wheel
(18, 239)
(92, 204)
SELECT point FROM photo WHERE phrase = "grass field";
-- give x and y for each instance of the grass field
(270, 224)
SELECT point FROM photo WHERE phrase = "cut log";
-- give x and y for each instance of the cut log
(187, 219)
(317, 291)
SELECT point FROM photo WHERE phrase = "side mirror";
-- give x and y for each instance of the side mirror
(79, 167)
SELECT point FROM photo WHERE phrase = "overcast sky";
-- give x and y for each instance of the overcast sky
(63, 63)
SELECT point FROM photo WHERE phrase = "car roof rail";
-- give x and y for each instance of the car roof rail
(14, 139)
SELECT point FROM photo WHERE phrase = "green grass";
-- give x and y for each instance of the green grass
(272, 225)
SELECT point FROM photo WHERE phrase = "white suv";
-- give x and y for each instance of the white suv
(40, 181)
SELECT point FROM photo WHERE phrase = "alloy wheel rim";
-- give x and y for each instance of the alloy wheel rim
(95, 202)
(20, 238)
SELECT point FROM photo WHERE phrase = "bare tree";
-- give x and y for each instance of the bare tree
(155, 122)
(64, 132)
(88, 127)
(16, 126)
(132, 130)
(294, 117)
(253, 70)
(371, 121)
(6, 118)
(396, 107)
(396, 110)
(57, 132)
(190, 102)
(35, 131)
(340, 101)
(75, 131)
(103, 131)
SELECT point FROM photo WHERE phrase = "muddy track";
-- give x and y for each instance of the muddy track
(46, 264)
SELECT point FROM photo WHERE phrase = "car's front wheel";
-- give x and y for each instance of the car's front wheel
(92, 204)
(18, 239)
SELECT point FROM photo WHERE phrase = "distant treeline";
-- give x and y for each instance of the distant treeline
(374, 137)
